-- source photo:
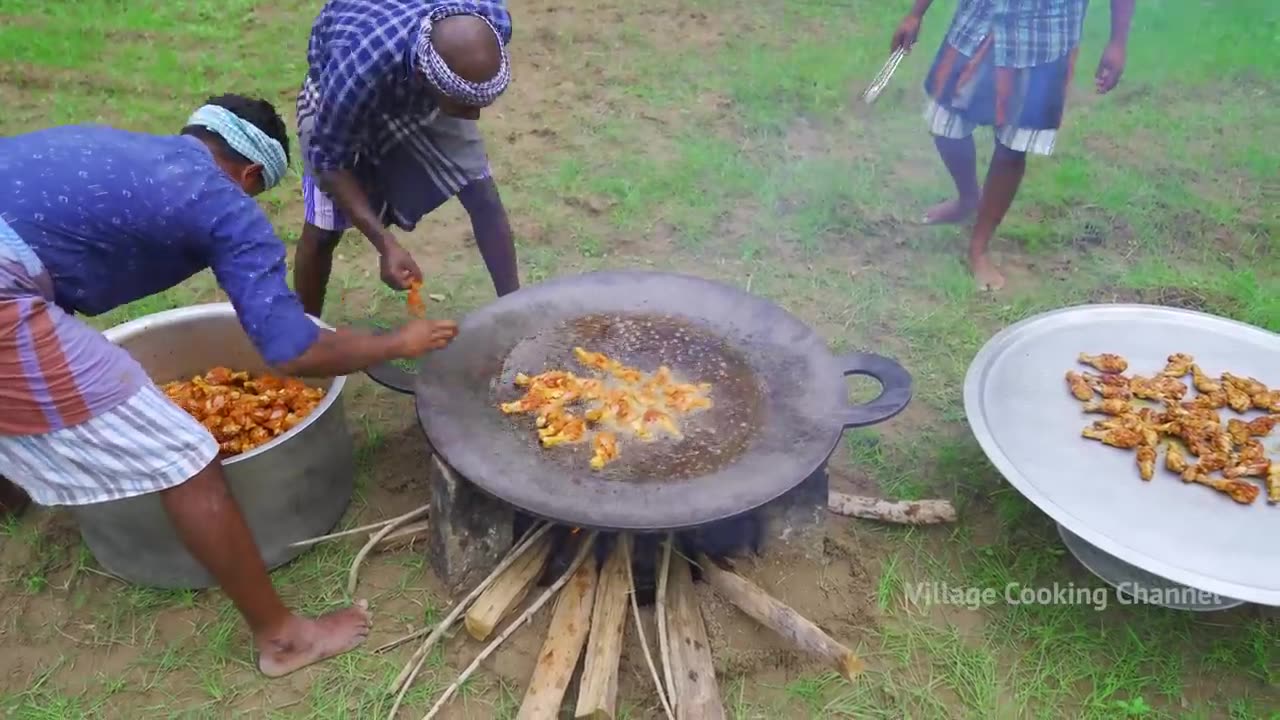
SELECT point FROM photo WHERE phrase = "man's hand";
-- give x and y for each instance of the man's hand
(422, 336)
(1110, 68)
(397, 266)
(905, 36)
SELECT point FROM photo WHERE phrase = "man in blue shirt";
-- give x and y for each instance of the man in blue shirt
(94, 217)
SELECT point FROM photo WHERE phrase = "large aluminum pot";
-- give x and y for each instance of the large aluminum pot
(295, 487)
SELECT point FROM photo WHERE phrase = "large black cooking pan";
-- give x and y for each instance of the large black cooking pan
(780, 399)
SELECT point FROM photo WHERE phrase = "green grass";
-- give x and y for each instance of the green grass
(722, 139)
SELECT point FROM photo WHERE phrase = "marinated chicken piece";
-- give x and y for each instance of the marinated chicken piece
(1120, 437)
(1203, 382)
(1273, 484)
(242, 411)
(1250, 386)
(1178, 366)
(1079, 387)
(1109, 407)
(1174, 460)
(413, 300)
(1237, 399)
(1146, 462)
(1106, 362)
(604, 449)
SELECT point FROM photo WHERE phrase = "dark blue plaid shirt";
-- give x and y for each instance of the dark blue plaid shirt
(361, 91)
(1025, 33)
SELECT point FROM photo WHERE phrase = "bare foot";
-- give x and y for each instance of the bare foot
(303, 641)
(950, 212)
(985, 273)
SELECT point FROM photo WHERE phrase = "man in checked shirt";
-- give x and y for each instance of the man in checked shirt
(387, 123)
(1005, 64)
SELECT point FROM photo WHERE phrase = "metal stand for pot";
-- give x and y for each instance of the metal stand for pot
(1137, 586)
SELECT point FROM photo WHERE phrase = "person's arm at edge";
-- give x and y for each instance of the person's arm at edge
(909, 29)
(248, 261)
(492, 228)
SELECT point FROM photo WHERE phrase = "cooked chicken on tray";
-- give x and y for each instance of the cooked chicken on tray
(243, 411)
(622, 400)
(1144, 414)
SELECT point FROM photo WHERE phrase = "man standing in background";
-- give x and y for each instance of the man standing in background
(1005, 64)
(387, 123)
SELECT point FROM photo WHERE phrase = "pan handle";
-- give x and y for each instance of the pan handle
(387, 374)
(894, 395)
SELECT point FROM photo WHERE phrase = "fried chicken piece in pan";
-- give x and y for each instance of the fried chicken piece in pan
(1106, 362)
(1237, 399)
(1146, 462)
(1079, 386)
(1273, 484)
(1174, 460)
(1203, 382)
(1114, 406)
(1119, 437)
(604, 449)
(1178, 366)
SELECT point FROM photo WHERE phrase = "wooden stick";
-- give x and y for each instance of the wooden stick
(644, 644)
(697, 694)
(409, 673)
(403, 639)
(560, 652)
(354, 576)
(507, 591)
(915, 512)
(773, 614)
(598, 688)
(405, 536)
(583, 551)
(660, 609)
(344, 533)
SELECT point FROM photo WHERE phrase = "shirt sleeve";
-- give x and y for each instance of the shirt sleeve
(349, 87)
(248, 261)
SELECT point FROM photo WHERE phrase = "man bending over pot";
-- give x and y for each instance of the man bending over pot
(92, 218)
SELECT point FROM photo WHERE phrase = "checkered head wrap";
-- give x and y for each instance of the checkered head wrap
(452, 86)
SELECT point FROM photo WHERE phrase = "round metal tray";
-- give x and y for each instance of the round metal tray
(1139, 587)
(1029, 426)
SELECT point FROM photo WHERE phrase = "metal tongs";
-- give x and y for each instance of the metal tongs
(882, 78)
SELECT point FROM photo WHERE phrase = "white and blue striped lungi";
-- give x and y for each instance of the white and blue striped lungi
(143, 445)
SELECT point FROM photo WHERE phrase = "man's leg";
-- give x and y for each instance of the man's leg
(960, 158)
(1003, 178)
(211, 526)
(492, 229)
(312, 264)
(13, 500)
